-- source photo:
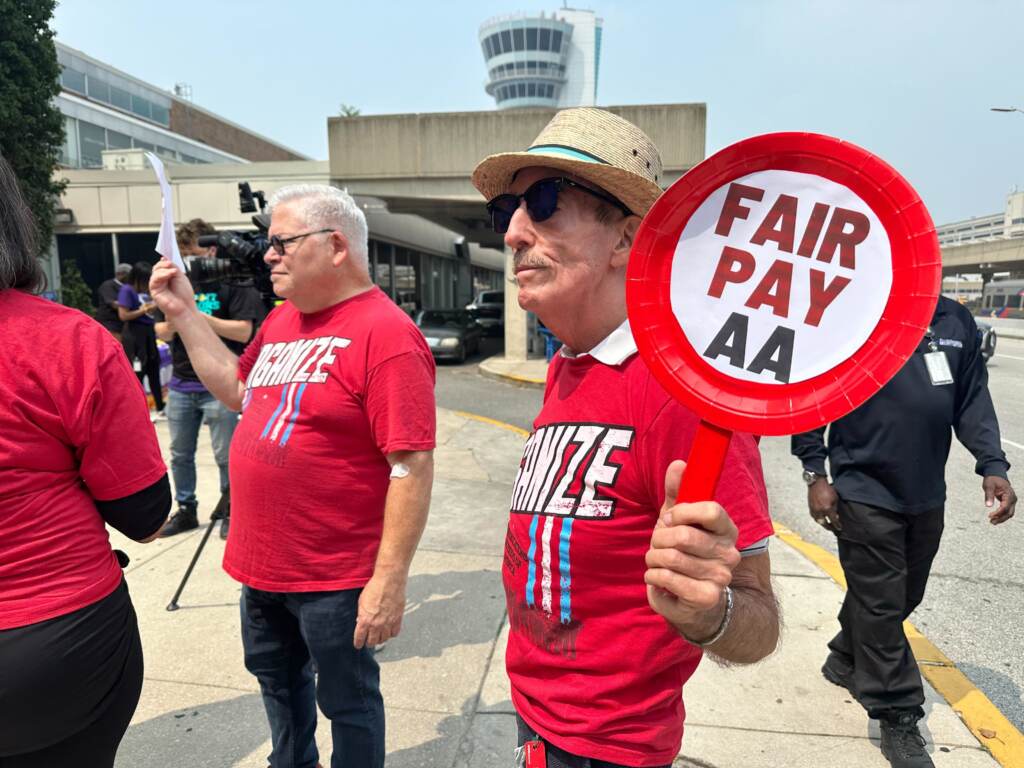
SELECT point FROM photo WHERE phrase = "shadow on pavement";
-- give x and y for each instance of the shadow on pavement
(213, 735)
(445, 610)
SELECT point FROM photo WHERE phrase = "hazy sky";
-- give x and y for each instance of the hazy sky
(911, 81)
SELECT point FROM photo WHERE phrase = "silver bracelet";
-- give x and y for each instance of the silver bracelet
(721, 627)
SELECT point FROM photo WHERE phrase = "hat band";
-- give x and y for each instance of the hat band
(575, 154)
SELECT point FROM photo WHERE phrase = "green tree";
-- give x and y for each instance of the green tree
(31, 126)
(347, 110)
(74, 292)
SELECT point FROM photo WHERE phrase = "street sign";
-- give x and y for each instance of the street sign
(778, 285)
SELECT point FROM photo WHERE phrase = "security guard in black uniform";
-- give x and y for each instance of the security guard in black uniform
(885, 505)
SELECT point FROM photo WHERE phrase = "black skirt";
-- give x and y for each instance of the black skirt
(63, 675)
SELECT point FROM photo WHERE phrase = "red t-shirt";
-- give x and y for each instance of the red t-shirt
(74, 427)
(594, 670)
(327, 396)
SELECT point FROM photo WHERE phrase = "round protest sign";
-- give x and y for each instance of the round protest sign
(781, 282)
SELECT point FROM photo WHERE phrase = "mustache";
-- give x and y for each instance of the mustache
(524, 258)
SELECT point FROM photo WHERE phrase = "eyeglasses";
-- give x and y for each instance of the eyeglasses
(541, 202)
(278, 243)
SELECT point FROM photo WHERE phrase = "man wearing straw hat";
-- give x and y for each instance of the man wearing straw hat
(613, 592)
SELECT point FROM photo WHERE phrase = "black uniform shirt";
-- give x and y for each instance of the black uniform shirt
(106, 315)
(891, 451)
(228, 302)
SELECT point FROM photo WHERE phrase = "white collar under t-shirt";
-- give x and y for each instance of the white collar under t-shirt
(614, 349)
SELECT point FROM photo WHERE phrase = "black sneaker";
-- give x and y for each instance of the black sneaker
(224, 523)
(184, 519)
(838, 672)
(902, 742)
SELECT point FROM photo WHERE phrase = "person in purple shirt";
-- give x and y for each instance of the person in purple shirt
(139, 335)
(233, 310)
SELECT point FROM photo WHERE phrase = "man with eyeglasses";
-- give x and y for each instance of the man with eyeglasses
(331, 470)
(613, 591)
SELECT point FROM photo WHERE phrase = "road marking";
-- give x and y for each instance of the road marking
(1011, 357)
(1010, 442)
(989, 726)
(493, 422)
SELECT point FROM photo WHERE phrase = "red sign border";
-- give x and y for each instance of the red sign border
(783, 409)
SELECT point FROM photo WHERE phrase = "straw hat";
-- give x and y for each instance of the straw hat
(592, 144)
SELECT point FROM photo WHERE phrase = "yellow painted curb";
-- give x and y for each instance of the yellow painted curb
(989, 726)
(501, 375)
(493, 422)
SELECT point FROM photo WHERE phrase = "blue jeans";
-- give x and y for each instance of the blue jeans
(186, 412)
(289, 635)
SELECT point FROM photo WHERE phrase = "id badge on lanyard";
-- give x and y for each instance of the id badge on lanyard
(936, 362)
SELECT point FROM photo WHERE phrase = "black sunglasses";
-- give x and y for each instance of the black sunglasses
(279, 243)
(541, 202)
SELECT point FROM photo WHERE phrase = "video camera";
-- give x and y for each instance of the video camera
(239, 259)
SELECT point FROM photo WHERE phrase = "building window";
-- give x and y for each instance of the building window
(92, 142)
(495, 43)
(141, 107)
(117, 140)
(73, 80)
(531, 89)
(143, 145)
(531, 39)
(521, 88)
(545, 39)
(120, 98)
(506, 41)
(1017, 221)
(556, 40)
(161, 114)
(517, 40)
(99, 90)
(69, 152)
(486, 45)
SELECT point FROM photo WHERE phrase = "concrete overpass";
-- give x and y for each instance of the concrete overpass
(985, 258)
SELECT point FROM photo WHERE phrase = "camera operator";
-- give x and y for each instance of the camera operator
(232, 310)
(331, 471)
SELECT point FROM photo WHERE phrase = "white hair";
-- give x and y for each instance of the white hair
(324, 206)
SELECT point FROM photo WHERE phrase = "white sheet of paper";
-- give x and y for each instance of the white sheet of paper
(166, 244)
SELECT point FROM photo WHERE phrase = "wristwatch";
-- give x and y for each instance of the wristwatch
(810, 478)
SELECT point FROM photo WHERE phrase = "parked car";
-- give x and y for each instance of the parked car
(488, 308)
(451, 334)
(987, 338)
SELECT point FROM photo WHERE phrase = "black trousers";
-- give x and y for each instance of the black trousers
(559, 758)
(143, 348)
(886, 557)
(69, 686)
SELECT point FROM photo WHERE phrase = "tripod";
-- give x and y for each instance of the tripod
(222, 510)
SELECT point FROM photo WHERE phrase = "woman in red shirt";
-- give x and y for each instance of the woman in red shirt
(77, 450)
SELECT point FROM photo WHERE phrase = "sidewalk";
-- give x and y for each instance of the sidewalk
(443, 677)
(528, 373)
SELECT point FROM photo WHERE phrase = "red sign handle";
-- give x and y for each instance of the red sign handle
(704, 465)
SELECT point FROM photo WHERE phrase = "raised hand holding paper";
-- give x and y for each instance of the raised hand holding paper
(166, 244)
